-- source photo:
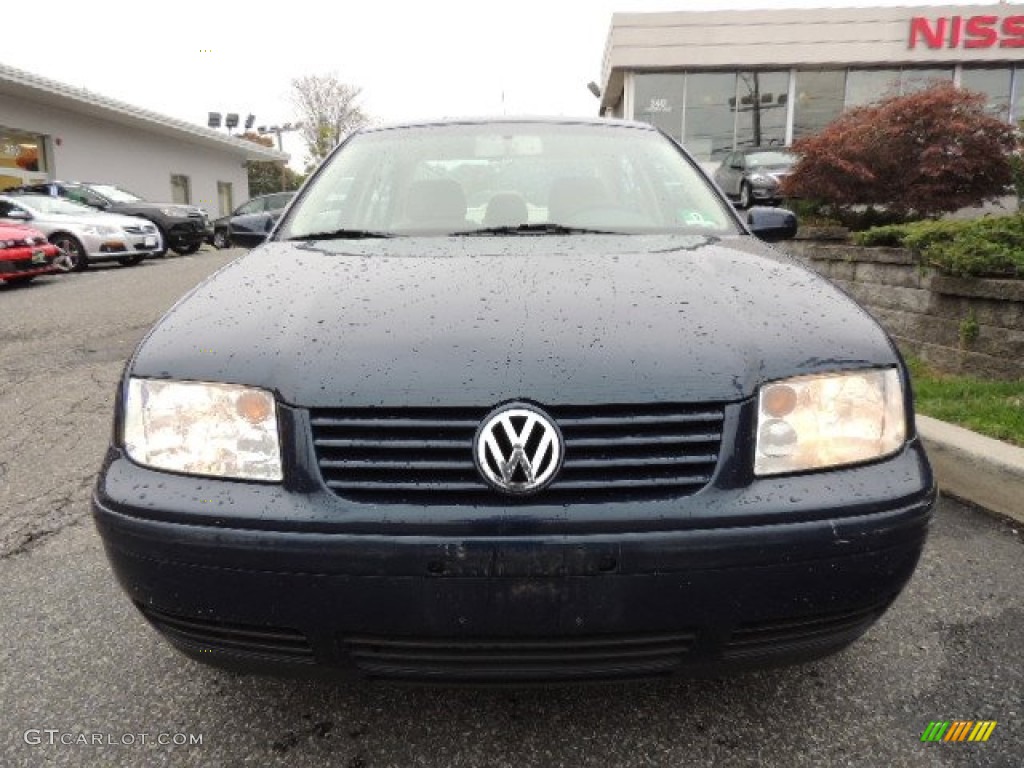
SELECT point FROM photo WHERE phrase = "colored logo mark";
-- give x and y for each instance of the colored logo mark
(959, 730)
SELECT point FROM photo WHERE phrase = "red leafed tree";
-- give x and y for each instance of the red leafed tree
(926, 153)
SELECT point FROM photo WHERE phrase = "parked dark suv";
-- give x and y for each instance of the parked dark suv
(183, 228)
(514, 401)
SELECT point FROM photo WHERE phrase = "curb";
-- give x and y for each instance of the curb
(978, 469)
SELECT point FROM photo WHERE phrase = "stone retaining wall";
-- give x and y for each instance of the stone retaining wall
(957, 325)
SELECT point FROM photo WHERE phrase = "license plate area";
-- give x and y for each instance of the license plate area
(523, 559)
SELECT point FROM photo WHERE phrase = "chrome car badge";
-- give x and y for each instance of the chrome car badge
(518, 449)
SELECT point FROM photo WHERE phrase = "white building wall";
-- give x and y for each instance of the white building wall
(87, 148)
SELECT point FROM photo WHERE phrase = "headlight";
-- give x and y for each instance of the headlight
(813, 422)
(102, 230)
(220, 430)
(177, 212)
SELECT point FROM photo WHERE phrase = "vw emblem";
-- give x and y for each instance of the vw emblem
(518, 449)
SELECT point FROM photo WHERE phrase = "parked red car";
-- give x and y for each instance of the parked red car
(24, 254)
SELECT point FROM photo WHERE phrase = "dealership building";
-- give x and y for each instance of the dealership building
(725, 80)
(49, 130)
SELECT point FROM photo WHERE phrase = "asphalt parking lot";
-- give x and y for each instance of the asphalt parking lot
(80, 665)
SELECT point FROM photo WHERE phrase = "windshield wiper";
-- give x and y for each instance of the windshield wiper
(342, 234)
(535, 229)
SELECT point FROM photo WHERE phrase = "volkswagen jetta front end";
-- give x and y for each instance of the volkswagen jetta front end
(529, 402)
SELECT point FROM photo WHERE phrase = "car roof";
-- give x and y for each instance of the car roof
(525, 120)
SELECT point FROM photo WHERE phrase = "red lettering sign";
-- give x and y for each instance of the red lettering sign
(981, 32)
(969, 32)
(934, 34)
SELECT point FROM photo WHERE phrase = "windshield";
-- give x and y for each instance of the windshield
(41, 204)
(769, 159)
(508, 178)
(115, 194)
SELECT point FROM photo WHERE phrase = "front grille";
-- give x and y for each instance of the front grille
(425, 455)
(144, 229)
(528, 659)
(236, 639)
(776, 637)
(22, 265)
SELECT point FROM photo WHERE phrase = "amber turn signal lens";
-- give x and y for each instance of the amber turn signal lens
(253, 407)
(778, 401)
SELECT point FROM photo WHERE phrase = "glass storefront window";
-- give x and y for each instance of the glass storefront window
(864, 86)
(761, 105)
(819, 100)
(658, 100)
(717, 112)
(1017, 96)
(710, 117)
(22, 159)
(994, 82)
(916, 79)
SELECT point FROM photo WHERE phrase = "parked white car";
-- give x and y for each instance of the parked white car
(83, 234)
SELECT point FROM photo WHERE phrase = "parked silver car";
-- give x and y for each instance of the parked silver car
(83, 234)
(753, 176)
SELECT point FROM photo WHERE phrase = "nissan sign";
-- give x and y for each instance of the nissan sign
(967, 32)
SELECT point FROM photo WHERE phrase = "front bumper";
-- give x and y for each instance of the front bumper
(27, 262)
(765, 192)
(113, 247)
(265, 577)
(189, 231)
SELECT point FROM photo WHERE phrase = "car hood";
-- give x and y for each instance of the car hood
(17, 231)
(476, 320)
(146, 205)
(55, 220)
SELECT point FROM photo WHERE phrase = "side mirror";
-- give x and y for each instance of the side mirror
(19, 215)
(772, 224)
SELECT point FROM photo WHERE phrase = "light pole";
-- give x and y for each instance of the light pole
(230, 121)
(277, 130)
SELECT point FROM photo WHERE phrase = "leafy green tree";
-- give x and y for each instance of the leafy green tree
(264, 175)
(923, 154)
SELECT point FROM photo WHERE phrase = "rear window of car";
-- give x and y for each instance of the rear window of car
(766, 159)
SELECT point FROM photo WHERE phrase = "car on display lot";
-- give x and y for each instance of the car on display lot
(753, 176)
(589, 426)
(183, 228)
(25, 254)
(83, 235)
(250, 222)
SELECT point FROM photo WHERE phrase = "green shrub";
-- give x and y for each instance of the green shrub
(992, 246)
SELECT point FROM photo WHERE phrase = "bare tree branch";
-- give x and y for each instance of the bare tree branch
(328, 111)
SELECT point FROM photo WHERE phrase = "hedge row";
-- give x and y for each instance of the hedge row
(988, 247)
